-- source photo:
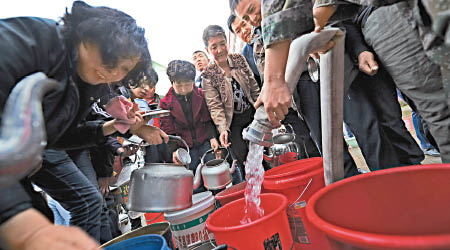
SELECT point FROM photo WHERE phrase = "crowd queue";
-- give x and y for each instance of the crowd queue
(100, 56)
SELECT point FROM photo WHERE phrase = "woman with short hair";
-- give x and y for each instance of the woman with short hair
(94, 46)
(230, 90)
(189, 116)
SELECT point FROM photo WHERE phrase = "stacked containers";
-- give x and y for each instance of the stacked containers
(188, 225)
(300, 178)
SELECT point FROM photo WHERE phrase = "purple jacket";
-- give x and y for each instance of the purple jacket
(177, 124)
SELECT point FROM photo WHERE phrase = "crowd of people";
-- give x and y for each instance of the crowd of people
(101, 60)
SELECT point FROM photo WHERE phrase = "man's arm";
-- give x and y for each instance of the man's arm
(358, 50)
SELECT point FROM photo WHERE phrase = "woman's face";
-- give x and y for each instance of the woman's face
(91, 69)
(217, 47)
(183, 88)
(250, 11)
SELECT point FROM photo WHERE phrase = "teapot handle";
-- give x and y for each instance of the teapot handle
(292, 129)
(178, 138)
(211, 150)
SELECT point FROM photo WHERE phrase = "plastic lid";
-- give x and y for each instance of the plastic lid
(200, 202)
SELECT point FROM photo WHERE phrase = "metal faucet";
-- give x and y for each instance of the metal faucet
(23, 135)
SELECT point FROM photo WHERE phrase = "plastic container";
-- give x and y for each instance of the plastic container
(292, 180)
(151, 218)
(232, 193)
(145, 242)
(162, 228)
(269, 232)
(188, 225)
(397, 208)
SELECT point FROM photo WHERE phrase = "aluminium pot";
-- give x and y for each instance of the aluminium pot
(161, 187)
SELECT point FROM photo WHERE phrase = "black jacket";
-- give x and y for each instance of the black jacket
(29, 45)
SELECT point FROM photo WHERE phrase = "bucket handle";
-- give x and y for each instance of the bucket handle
(178, 138)
(292, 204)
(304, 190)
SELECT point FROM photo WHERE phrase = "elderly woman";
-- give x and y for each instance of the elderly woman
(230, 90)
(94, 46)
(189, 117)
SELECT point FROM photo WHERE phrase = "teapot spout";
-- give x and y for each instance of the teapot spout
(198, 176)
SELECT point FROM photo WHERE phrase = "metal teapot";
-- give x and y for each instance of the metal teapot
(284, 148)
(162, 187)
(216, 173)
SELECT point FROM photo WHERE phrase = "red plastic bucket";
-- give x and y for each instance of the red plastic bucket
(292, 179)
(398, 208)
(232, 193)
(269, 232)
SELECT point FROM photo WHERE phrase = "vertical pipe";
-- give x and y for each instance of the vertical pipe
(331, 100)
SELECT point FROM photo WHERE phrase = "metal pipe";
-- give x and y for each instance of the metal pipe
(332, 110)
(23, 134)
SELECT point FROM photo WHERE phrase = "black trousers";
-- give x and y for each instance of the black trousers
(373, 114)
(309, 102)
(71, 180)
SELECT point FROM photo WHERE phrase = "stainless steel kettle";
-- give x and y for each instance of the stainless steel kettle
(162, 187)
(284, 149)
(216, 173)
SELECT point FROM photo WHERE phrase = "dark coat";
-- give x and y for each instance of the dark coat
(177, 124)
(29, 45)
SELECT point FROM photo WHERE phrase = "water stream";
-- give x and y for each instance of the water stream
(254, 176)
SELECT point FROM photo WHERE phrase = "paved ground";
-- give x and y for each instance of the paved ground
(359, 159)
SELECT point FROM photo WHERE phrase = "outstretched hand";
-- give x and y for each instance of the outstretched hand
(151, 134)
(30, 230)
(276, 98)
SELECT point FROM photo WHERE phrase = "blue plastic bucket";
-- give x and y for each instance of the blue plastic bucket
(145, 242)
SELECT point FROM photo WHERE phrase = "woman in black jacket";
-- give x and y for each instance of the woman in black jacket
(94, 45)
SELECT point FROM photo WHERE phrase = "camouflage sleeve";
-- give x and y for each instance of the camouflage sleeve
(285, 19)
(320, 3)
(259, 55)
(374, 2)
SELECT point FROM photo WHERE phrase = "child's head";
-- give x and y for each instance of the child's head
(146, 86)
(181, 75)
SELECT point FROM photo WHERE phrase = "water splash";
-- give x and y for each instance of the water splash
(254, 176)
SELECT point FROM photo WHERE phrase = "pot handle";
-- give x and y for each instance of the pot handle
(292, 129)
(211, 150)
(178, 138)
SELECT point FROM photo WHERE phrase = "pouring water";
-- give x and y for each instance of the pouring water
(254, 176)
